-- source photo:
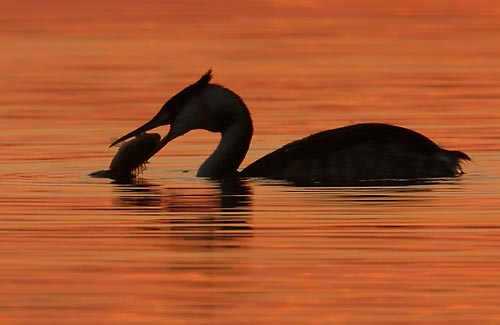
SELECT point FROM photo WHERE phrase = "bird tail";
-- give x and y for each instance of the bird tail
(458, 157)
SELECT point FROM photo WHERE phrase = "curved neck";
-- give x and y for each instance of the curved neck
(231, 151)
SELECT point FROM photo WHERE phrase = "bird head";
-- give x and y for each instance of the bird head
(181, 112)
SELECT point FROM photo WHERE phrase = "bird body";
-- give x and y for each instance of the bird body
(370, 151)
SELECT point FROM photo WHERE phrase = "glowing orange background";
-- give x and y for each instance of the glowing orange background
(77, 73)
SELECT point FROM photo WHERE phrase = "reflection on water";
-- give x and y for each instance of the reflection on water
(221, 212)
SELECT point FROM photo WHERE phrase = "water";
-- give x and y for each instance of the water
(178, 249)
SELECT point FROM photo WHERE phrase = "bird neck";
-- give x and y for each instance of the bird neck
(231, 150)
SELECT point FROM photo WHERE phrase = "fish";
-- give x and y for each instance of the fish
(131, 157)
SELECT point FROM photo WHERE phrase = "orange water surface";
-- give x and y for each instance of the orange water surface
(176, 249)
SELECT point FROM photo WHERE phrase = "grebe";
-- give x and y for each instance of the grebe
(369, 151)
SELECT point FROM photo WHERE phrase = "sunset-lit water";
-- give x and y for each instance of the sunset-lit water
(177, 249)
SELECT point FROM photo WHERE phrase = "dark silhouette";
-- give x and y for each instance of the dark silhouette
(131, 157)
(345, 155)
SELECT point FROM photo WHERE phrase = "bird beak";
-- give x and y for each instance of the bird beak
(158, 120)
(166, 139)
(155, 122)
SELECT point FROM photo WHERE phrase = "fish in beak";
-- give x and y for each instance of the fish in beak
(172, 114)
(158, 120)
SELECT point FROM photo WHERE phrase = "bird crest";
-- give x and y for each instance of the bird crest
(181, 98)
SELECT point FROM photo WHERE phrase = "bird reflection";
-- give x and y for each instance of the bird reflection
(135, 194)
(219, 211)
